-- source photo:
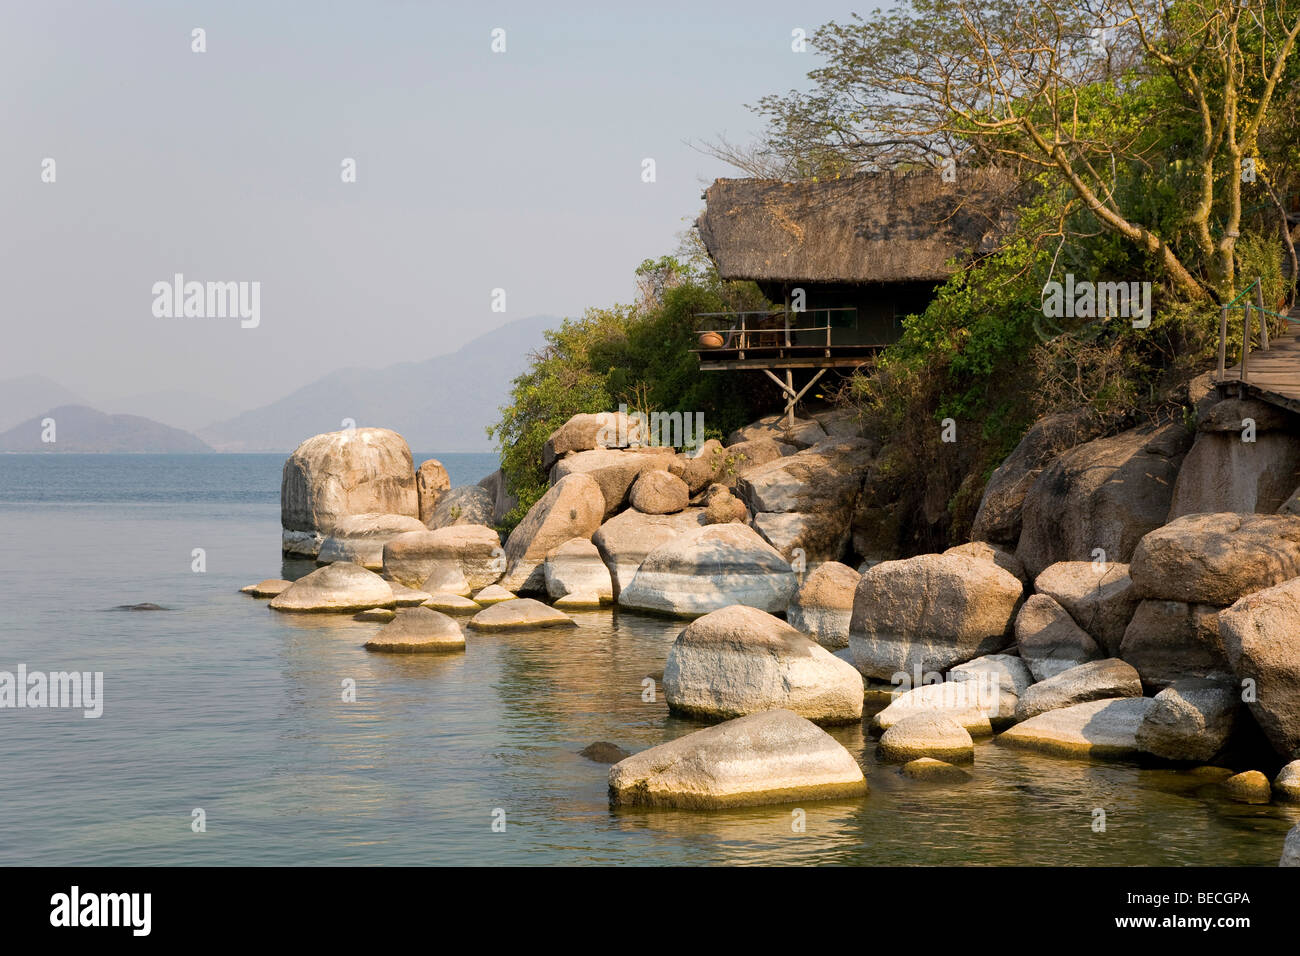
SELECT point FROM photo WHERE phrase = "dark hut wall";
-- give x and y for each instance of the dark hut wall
(879, 309)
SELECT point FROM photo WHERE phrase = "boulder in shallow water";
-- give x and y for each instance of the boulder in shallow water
(929, 770)
(493, 594)
(573, 508)
(1097, 729)
(418, 630)
(927, 734)
(602, 751)
(709, 569)
(1259, 639)
(1189, 720)
(1286, 785)
(351, 472)
(773, 757)
(1095, 680)
(452, 604)
(338, 587)
(930, 613)
(740, 660)
(361, 538)
(575, 567)
(519, 614)
(823, 604)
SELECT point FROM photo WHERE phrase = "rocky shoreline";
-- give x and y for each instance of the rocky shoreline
(1132, 596)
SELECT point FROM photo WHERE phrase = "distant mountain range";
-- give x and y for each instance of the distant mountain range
(78, 428)
(442, 404)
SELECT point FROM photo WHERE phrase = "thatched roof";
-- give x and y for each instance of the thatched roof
(874, 227)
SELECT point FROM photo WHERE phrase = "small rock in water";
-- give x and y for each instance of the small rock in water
(1286, 785)
(1249, 787)
(139, 607)
(602, 751)
(266, 589)
(418, 630)
(927, 734)
(452, 603)
(380, 614)
(1211, 773)
(929, 769)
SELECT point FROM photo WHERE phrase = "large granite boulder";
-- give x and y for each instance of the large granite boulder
(930, 613)
(1098, 728)
(1049, 639)
(361, 538)
(1095, 680)
(988, 552)
(806, 500)
(519, 614)
(740, 660)
(418, 630)
(613, 471)
(999, 516)
(1224, 473)
(503, 502)
(1259, 634)
(1216, 558)
(588, 431)
(625, 540)
(352, 472)
(772, 757)
(457, 558)
(708, 569)
(575, 567)
(431, 480)
(338, 587)
(572, 508)
(462, 505)
(1189, 720)
(1170, 641)
(659, 493)
(700, 468)
(823, 604)
(1104, 494)
(1100, 597)
(722, 507)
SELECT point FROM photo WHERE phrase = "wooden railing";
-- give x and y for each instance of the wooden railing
(763, 329)
(1247, 311)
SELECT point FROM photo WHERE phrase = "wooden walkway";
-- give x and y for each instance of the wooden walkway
(1272, 375)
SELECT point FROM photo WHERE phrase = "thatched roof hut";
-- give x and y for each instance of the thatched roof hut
(869, 228)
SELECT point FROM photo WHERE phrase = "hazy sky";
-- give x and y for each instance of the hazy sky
(475, 171)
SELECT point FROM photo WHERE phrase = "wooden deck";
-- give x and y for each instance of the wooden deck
(1272, 375)
(787, 357)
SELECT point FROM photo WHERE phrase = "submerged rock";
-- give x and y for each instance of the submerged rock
(266, 589)
(773, 757)
(1097, 729)
(381, 615)
(602, 751)
(927, 735)
(1249, 787)
(418, 630)
(452, 603)
(519, 614)
(708, 569)
(739, 660)
(934, 771)
(144, 606)
(339, 587)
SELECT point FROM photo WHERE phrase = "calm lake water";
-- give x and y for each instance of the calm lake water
(223, 705)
